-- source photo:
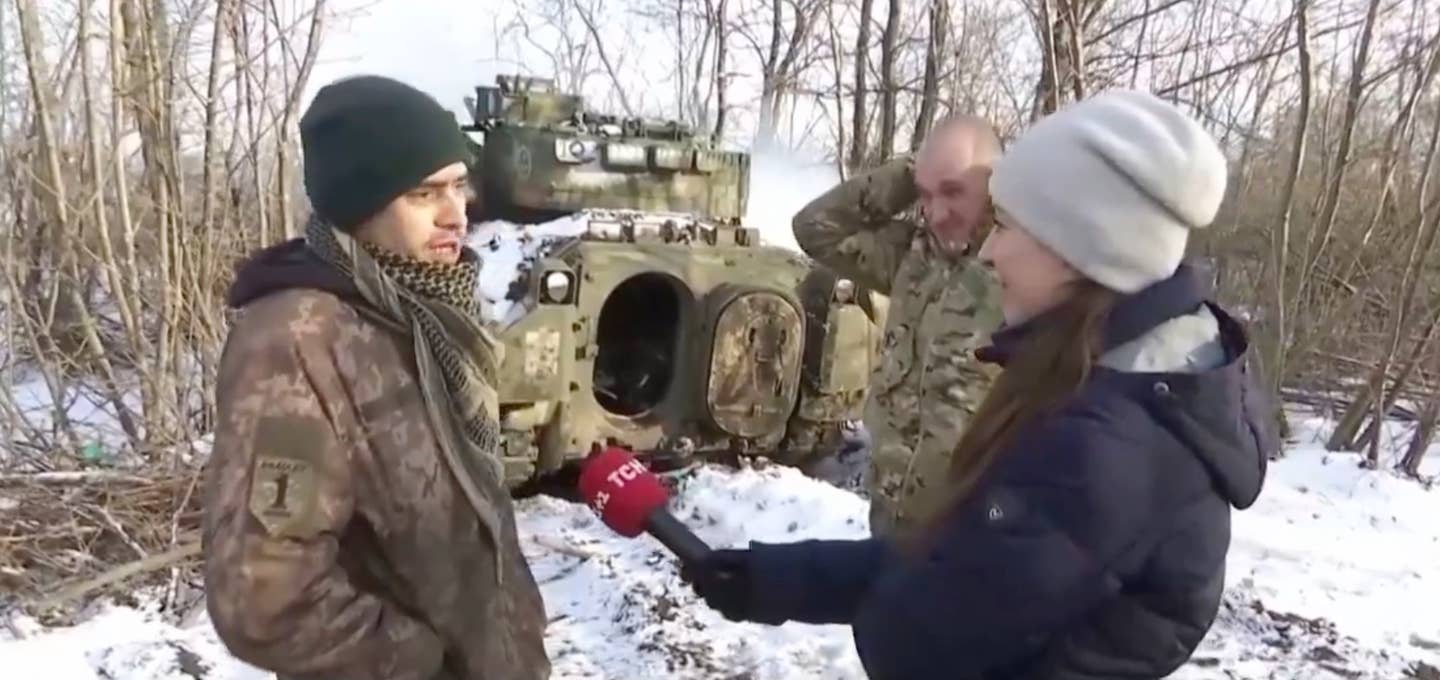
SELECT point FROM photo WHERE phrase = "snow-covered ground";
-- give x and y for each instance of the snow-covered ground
(1332, 575)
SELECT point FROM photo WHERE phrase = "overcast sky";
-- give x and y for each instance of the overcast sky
(444, 47)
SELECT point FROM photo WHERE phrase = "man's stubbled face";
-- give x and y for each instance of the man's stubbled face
(952, 175)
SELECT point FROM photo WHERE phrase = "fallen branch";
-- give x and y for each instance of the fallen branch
(72, 477)
(121, 573)
(81, 526)
(566, 548)
(114, 526)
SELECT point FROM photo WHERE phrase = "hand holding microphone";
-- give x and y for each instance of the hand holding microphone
(630, 499)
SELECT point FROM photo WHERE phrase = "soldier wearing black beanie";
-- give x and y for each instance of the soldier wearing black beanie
(313, 482)
(369, 139)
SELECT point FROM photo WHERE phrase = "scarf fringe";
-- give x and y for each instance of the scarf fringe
(455, 356)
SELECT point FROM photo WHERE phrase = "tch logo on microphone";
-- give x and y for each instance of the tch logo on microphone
(630, 500)
(621, 490)
(616, 480)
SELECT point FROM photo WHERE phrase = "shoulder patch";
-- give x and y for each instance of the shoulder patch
(283, 493)
(284, 489)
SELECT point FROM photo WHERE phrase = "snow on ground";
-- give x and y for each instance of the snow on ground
(120, 643)
(1331, 574)
(627, 614)
(1328, 579)
(1369, 544)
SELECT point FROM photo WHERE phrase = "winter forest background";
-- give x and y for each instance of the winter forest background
(145, 145)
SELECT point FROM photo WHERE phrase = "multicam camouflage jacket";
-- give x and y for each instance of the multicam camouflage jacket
(338, 543)
(942, 308)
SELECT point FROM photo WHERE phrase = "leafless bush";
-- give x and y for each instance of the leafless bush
(146, 146)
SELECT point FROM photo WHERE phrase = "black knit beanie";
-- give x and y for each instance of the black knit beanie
(369, 139)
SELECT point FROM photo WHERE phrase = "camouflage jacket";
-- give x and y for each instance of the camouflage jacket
(337, 543)
(942, 308)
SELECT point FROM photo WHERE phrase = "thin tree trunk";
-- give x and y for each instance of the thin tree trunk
(1280, 244)
(839, 97)
(681, 86)
(58, 207)
(859, 134)
(721, 76)
(1047, 89)
(1331, 203)
(888, 86)
(287, 121)
(934, 57)
(1400, 322)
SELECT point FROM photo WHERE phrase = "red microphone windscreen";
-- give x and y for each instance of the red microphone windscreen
(621, 490)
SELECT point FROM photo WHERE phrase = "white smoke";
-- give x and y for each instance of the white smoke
(780, 185)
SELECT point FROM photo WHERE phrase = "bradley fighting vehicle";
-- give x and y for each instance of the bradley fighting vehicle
(666, 326)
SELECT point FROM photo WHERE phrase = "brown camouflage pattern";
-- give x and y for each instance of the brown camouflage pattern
(337, 542)
(942, 308)
(755, 364)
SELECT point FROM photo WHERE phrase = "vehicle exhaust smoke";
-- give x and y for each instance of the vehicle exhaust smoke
(781, 184)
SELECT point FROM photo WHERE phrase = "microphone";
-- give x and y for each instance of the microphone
(630, 499)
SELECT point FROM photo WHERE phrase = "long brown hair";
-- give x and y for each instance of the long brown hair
(1047, 367)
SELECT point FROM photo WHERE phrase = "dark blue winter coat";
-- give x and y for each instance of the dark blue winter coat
(1094, 547)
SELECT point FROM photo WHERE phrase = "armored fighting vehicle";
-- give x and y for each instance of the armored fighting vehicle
(666, 325)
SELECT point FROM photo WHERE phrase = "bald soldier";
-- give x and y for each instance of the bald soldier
(943, 303)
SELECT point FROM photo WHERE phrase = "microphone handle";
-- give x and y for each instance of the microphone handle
(676, 536)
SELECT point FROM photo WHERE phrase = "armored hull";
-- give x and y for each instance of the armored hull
(666, 325)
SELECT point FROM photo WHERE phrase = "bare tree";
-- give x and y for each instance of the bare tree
(888, 87)
(1321, 238)
(719, 16)
(152, 151)
(1401, 321)
(1280, 248)
(784, 56)
(586, 11)
(1063, 26)
(859, 126)
(934, 61)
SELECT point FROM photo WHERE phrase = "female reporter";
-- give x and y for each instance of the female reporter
(1092, 492)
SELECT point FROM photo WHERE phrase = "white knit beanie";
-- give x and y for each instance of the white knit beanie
(1113, 184)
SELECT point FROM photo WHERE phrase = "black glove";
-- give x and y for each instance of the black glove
(723, 581)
